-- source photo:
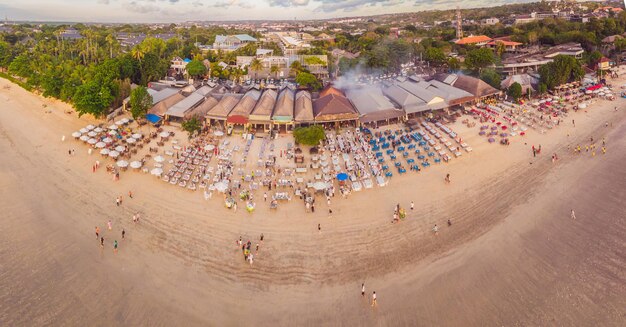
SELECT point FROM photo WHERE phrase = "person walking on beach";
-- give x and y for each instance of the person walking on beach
(436, 230)
(319, 228)
(265, 196)
(363, 289)
(240, 242)
(374, 299)
(449, 222)
(412, 205)
(251, 258)
(447, 179)
(97, 232)
(101, 241)
(257, 248)
(130, 194)
(118, 201)
(573, 215)
(262, 238)
(123, 234)
(109, 224)
(573, 123)
(115, 246)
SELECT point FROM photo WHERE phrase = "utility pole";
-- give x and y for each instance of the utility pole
(459, 23)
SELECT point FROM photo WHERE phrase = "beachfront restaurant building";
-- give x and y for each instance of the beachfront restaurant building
(426, 100)
(411, 104)
(261, 116)
(334, 108)
(176, 113)
(373, 106)
(201, 110)
(283, 117)
(240, 115)
(475, 87)
(161, 107)
(303, 109)
(219, 113)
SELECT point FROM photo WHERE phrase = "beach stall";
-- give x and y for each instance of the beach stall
(283, 117)
(261, 116)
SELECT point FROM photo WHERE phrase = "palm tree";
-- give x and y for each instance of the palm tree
(275, 70)
(500, 48)
(256, 66)
(137, 53)
(110, 40)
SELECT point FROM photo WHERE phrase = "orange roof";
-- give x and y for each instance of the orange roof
(505, 42)
(473, 39)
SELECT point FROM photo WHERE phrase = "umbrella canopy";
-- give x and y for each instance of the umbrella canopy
(130, 140)
(90, 127)
(119, 123)
(342, 177)
(137, 136)
(92, 141)
(121, 163)
(104, 152)
(114, 154)
(100, 145)
(125, 120)
(113, 127)
(319, 186)
(491, 140)
(120, 148)
(92, 134)
(112, 133)
(209, 147)
(164, 134)
(221, 187)
(324, 163)
(159, 159)
(107, 140)
(136, 164)
(218, 133)
(84, 130)
(156, 171)
(76, 134)
(98, 130)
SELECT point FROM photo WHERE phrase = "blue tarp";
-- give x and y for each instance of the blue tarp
(153, 118)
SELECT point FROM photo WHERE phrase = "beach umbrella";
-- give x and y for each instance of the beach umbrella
(125, 120)
(112, 133)
(92, 134)
(119, 123)
(112, 127)
(84, 130)
(324, 163)
(319, 186)
(159, 159)
(92, 141)
(120, 148)
(121, 163)
(156, 171)
(582, 106)
(218, 133)
(491, 140)
(100, 145)
(107, 140)
(136, 164)
(98, 130)
(90, 127)
(342, 177)
(114, 154)
(137, 136)
(130, 140)
(164, 134)
(104, 152)
(504, 134)
(76, 135)
(221, 187)
(209, 147)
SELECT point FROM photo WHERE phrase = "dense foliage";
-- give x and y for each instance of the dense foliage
(515, 91)
(308, 80)
(311, 135)
(192, 126)
(562, 70)
(140, 102)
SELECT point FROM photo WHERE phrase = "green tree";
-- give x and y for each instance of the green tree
(515, 91)
(140, 102)
(92, 98)
(594, 58)
(308, 80)
(196, 68)
(491, 77)
(275, 70)
(434, 56)
(256, 66)
(562, 70)
(192, 126)
(454, 64)
(478, 59)
(311, 135)
(543, 88)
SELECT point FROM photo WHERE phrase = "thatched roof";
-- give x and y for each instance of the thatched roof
(241, 112)
(303, 109)
(223, 107)
(264, 107)
(202, 109)
(160, 108)
(372, 105)
(477, 87)
(283, 111)
(331, 90)
(333, 107)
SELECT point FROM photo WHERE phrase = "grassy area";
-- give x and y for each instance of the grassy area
(16, 81)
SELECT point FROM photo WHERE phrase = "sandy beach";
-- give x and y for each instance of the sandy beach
(513, 256)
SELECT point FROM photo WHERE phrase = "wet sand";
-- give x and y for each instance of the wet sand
(512, 257)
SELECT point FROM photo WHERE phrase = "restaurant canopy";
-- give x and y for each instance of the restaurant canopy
(303, 109)
(179, 109)
(372, 105)
(262, 112)
(241, 112)
(283, 111)
(160, 108)
(223, 107)
(333, 107)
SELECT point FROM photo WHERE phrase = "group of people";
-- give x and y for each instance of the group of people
(246, 248)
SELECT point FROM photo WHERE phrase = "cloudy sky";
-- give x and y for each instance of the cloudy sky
(140, 11)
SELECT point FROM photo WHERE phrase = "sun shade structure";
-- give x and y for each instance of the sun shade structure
(283, 111)
(158, 96)
(221, 110)
(162, 106)
(303, 109)
(372, 105)
(241, 112)
(428, 100)
(179, 109)
(262, 113)
(474, 86)
(333, 107)
(201, 110)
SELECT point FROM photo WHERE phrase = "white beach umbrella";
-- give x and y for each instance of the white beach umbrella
(209, 147)
(100, 145)
(125, 120)
(92, 141)
(76, 135)
(318, 186)
(120, 148)
(90, 127)
(130, 140)
(122, 163)
(98, 130)
(156, 171)
(218, 133)
(114, 154)
(137, 136)
(113, 127)
(221, 187)
(119, 123)
(164, 134)
(84, 130)
(135, 164)
(107, 140)
(104, 152)
(112, 133)
(582, 106)
(159, 159)
(92, 134)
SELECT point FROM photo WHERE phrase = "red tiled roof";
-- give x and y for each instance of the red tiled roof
(505, 42)
(474, 39)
